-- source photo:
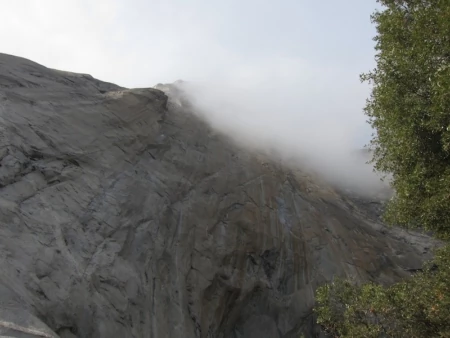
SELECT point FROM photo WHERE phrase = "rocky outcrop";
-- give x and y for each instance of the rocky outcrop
(124, 215)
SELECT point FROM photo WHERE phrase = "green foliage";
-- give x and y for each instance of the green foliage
(410, 110)
(418, 307)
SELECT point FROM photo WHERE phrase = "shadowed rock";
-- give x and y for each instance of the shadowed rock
(125, 215)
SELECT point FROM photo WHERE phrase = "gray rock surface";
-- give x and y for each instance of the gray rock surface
(124, 215)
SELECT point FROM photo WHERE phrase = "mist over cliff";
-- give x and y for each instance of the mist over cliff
(289, 122)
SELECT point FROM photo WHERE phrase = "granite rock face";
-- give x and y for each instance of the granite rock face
(125, 215)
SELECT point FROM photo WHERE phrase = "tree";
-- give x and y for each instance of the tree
(410, 110)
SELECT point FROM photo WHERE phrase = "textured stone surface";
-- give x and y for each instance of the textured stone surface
(121, 218)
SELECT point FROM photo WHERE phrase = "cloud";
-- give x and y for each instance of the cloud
(282, 77)
(295, 109)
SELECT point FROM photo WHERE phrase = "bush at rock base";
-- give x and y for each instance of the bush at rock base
(417, 307)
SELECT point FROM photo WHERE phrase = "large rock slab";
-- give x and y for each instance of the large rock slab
(125, 215)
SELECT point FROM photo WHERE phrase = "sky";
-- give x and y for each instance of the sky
(284, 67)
(140, 42)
